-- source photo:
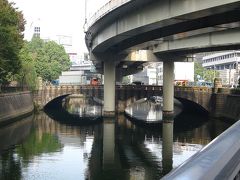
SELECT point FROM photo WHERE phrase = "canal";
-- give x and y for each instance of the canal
(39, 147)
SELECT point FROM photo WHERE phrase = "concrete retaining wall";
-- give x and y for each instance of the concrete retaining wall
(14, 105)
(232, 107)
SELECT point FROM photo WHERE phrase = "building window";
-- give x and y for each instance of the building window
(36, 29)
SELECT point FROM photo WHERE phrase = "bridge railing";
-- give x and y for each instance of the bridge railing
(105, 9)
(143, 87)
(218, 160)
(190, 88)
(12, 89)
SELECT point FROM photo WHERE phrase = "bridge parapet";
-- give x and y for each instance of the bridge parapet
(123, 92)
(105, 9)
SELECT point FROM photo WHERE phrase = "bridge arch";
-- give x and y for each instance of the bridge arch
(56, 102)
(191, 106)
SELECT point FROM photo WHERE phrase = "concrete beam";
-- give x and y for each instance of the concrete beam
(207, 42)
(159, 19)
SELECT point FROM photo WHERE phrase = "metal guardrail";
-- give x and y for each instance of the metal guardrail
(105, 9)
(218, 160)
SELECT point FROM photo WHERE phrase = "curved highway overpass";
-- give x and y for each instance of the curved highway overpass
(139, 31)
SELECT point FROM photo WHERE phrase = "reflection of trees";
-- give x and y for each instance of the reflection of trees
(10, 166)
(36, 144)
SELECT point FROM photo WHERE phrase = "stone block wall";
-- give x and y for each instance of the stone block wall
(232, 107)
(15, 105)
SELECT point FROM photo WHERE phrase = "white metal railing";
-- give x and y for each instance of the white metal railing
(105, 9)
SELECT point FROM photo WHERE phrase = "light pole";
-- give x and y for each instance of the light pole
(85, 18)
(214, 75)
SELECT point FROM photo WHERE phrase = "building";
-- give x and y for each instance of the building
(226, 63)
(147, 76)
(81, 71)
(184, 71)
(153, 74)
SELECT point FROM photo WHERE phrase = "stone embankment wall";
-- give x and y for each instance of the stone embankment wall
(231, 107)
(15, 105)
(219, 102)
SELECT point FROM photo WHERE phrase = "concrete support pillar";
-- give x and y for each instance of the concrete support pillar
(108, 143)
(168, 87)
(109, 89)
(167, 145)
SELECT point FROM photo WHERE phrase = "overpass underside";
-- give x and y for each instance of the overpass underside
(140, 31)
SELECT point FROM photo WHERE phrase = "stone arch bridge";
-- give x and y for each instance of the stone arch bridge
(218, 102)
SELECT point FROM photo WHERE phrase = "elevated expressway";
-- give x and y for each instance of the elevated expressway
(124, 34)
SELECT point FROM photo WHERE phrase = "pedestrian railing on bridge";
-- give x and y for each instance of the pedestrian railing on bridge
(13, 89)
(218, 160)
(105, 9)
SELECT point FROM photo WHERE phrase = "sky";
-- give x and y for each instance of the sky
(58, 18)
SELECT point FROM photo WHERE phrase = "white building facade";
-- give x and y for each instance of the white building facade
(153, 74)
(227, 64)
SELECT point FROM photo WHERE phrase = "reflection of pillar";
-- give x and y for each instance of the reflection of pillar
(167, 146)
(168, 87)
(109, 88)
(108, 142)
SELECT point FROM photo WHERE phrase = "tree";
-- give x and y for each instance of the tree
(49, 58)
(27, 75)
(11, 40)
(204, 74)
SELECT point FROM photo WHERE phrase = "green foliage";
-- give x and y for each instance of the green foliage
(205, 74)
(49, 58)
(27, 75)
(10, 166)
(11, 40)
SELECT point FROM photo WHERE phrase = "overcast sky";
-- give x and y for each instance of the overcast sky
(58, 17)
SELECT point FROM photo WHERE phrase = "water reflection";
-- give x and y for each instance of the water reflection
(145, 110)
(113, 149)
(83, 106)
(167, 145)
(108, 142)
(15, 133)
(79, 110)
(149, 111)
(10, 135)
